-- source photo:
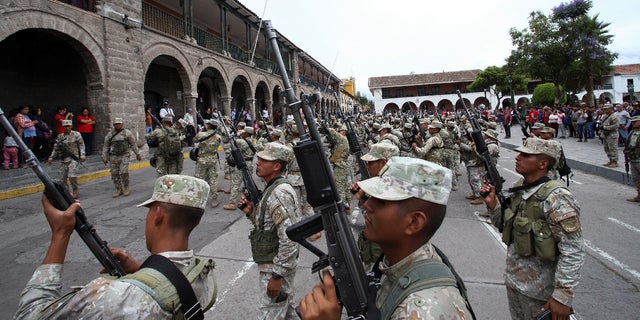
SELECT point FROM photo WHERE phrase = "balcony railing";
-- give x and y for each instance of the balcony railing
(89, 5)
(207, 40)
(162, 21)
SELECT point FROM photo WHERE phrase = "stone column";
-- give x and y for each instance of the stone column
(226, 105)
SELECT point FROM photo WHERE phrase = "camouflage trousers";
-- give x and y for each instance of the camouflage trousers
(340, 174)
(522, 307)
(634, 169)
(237, 183)
(305, 208)
(449, 161)
(474, 176)
(207, 170)
(166, 166)
(269, 308)
(69, 170)
(119, 167)
(611, 147)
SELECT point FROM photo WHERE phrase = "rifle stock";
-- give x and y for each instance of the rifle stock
(348, 271)
(61, 199)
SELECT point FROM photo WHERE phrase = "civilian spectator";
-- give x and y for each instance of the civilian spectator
(148, 120)
(624, 121)
(507, 118)
(10, 152)
(42, 142)
(166, 110)
(62, 114)
(26, 129)
(553, 120)
(85, 125)
(581, 121)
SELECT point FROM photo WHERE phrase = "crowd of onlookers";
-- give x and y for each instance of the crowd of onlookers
(39, 133)
(579, 121)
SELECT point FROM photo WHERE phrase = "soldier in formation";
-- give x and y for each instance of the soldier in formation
(168, 156)
(208, 141)
(610, 123)
(632, 154)
(236, 174)
(116, 151)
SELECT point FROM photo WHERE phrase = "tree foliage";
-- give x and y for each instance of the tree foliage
(544, 94)
(499, 80)
(567, 47)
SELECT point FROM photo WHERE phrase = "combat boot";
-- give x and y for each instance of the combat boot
(125, 184)
(607, 164)
(613, 164)
(214, 203)
(125, 191)
(477, 200)
(117, 193)
(636, 199)
(229, 206)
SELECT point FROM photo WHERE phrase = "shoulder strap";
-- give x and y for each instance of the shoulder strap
(265, 196)
(207, 137)
(114, 135)
(189, 304)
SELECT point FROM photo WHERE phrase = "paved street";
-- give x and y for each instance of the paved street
(609, 288)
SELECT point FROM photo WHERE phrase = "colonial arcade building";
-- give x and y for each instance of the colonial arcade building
(117, 57)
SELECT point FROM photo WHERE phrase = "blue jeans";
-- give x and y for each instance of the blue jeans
(582, 131)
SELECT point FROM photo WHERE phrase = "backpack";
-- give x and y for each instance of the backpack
(171, 145)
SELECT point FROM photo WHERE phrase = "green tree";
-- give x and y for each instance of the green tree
(567, 48)
(544, 94)
(499, 81)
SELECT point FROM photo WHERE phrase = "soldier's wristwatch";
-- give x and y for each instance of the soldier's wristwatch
(276, 276)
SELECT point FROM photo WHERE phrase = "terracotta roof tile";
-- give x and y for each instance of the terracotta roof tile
(422, 79)
(626, 69)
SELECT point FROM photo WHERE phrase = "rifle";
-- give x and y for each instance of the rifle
(416, 121)
(351, 281)
(492, 176)
(69, 154)
(154, 118)
(523, 125)
(626, 169)
(235, 159)
(439, 116)
(267, 134)
(324, 130)
(354, 145)
(61, 199)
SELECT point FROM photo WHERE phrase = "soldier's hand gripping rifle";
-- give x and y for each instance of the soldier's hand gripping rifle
(416, 121)
(350, 279)
(235, 159)
(61, 199)
(492, 175)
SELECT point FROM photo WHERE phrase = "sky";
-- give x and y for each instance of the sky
(362, 39)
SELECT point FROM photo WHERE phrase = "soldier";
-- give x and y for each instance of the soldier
(449, 150)
(175, 209)
(474, 164)
(168, 155)
(535, 130)
(610, 135)
(632, 154)
(432, 148)
(549, 133)
(543, 234)
(207, 143)
(236, 174)
(407, 138)
(410, 195)
(493, 145)
(375, 160)
(339, 157)
(116, 150)
(275, 254)
(384, 133)
(69, 145)
(274, 136)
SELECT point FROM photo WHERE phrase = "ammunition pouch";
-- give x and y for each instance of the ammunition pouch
(544, 243)
(119, 147)
(522, 237)
(264, 245)
(507, 231)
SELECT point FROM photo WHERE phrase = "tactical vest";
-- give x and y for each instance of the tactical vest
(419, 275)
(265, 243)
(632, 149)
(210, 145)
(71, 144)
(525, 224)
(156, 285)
(120, 146)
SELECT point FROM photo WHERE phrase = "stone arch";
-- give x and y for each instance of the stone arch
(409, 106)
(445, 104)
(211, 88)
(262, 98)
(481, 100)
(427, 105)
(241, 93)
(522, 101)
(391, 108)
(167, 49)
(604, 97)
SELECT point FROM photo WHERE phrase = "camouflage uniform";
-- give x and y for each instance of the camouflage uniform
(632, 152)
(295, 179)
(281, 210)
(69, 167)
(432, 149)
(610, 136)
(236, 174)
(338, 158)
(165, 165)
(450, 148)
(391, 138)
(207, 164)
(454, 130)
(432, 303)
(531, 280)
(475, 167)
(109, 298)
(116, 149)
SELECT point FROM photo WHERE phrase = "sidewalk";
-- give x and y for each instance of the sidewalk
(585, 156)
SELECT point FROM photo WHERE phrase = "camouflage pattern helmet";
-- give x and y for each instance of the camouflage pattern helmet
(275, 151)
(408, 126)
(386, 126)
(381, 150)
(66, 123)
(539, 146)
(491, 134)
(635, 118)
(117, 121)
(548, 130)
(181, 190)
(538, 125)
(241, 125)
(248, 130)
(435, 125)
(405, 178)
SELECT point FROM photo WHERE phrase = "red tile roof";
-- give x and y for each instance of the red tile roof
(423, 79)
(626, 69)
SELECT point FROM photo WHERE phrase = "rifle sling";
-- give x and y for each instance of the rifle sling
(189, 304)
